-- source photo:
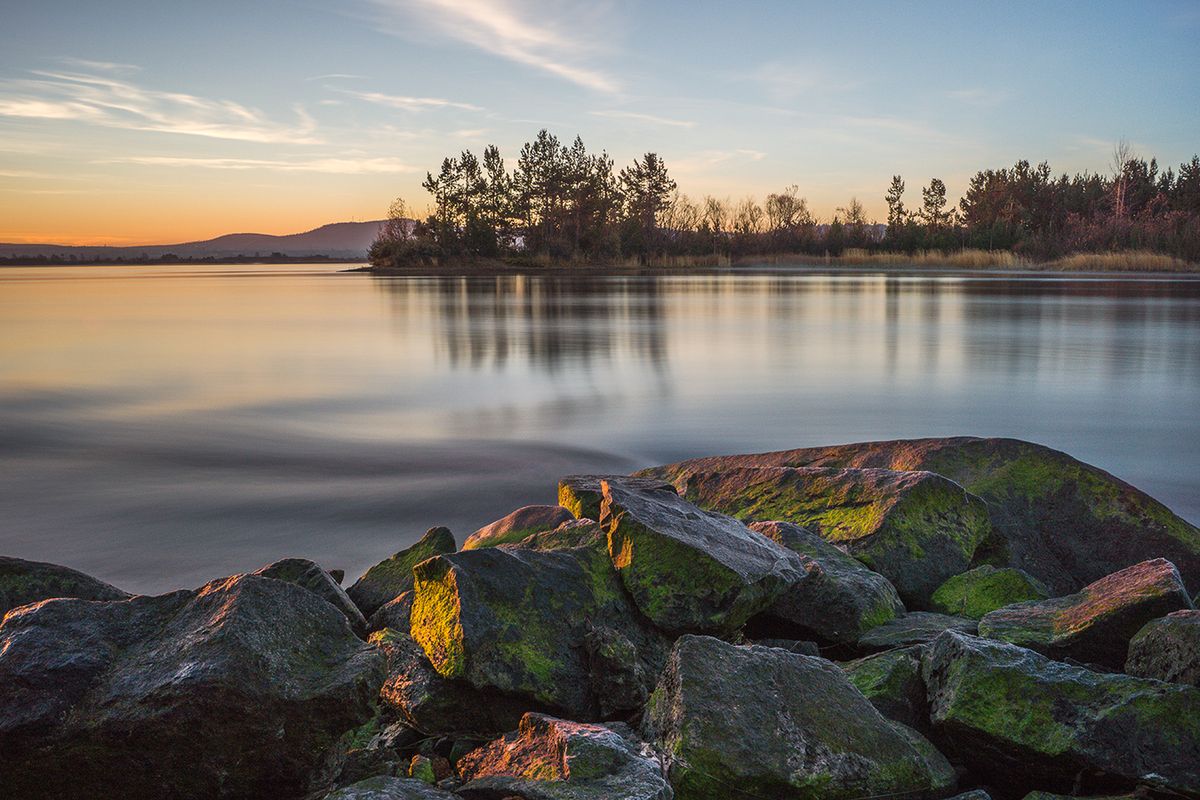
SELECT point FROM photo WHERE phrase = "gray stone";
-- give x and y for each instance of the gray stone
(393, 576)
(308, 575)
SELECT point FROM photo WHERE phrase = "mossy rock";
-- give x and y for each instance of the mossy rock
(1064, 522)
(1024, 722)
(518, 525)
(1094, 625)
(915, 627)
(838, 600)
(583, 495)
(557, 759)
(393, 576)
(762, 722)
(915, 528)
(1167, 649)
(892, 681)
(309, 575)
(984, 589)
(241, 688)
(516, 620)
(386, 787)
(23, 582)
(688, 569)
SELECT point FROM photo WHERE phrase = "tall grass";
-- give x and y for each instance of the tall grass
(958, 259)
(1125, 261)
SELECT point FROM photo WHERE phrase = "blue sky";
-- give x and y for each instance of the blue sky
(136, 121)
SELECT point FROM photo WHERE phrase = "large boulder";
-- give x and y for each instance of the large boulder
(915, 627)
(1167, 649)
(1094, 625)
(768, 723)
(385, 787)
(839, 599)
(984, 589)
(688, 569)
(309, 575)
(1022, 721)
(519, 621)
(237, 689)
(517, 525)
(555, 759)
(395, 614)
(583, 495)
(23, 582)
(393, 576)
(1065, 522)
(437, 706)
(915, 528)
(892, 681)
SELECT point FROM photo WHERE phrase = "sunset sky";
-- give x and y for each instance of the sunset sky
(137, 122)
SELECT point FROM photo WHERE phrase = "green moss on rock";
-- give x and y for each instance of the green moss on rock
(984, 589)
(394, 576)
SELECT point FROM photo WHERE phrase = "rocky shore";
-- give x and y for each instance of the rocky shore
(936, 618)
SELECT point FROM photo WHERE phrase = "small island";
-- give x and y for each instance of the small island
(958, 617)
(564, 206)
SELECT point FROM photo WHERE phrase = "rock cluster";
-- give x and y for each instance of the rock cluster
(975, 619)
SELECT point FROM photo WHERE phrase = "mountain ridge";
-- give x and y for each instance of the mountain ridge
(336, 239)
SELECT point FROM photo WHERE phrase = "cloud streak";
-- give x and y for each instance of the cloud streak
(648, 118)
(508, 30)
(103, 100)
(330, 166)
(405, 103)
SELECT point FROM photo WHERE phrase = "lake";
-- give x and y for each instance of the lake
(161, 426)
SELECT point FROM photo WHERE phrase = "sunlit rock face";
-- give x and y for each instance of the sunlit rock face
(1094, 625)
(1024, 722)
(557, 759)
(518, 525)
(915, 528)
(393, 576)
(237, 689)
(1064, 522)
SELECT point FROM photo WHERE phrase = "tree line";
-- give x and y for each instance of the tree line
(561, 203)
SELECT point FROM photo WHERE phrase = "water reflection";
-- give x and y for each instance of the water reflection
(162, 427)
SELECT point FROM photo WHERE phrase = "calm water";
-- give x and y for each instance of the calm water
(162, 426)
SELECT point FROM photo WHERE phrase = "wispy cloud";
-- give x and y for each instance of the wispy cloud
(706, 159)
(648, 118)
(101, 66)
(333, 166)
(978, 96)
(334, 76)
(104, 100)
(785, 81)
(405, 103)
(510, 30)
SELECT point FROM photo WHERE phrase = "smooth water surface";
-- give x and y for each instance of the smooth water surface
(161, 426)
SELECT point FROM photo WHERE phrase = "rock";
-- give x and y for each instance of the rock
(688, 569)
(308, 575)
(238, 689)
(977, 794)
(384, 787)
(582, 495)
(377, 748)
(517, 525)
(984, 589)
(1049, 796)
(892, 681)
(393, 577)
(1023, 721)
(517, 621)
(776, 724)
(791, 645)
(555, 759)
(915, 627)
(1064, 522)
(840, 599)
(1095, 624)
(915, 528)
(429, 769)
(576, 533)
(23, 582)
(1167, 649)
(394, 614)
(338, 575)
(434, 705)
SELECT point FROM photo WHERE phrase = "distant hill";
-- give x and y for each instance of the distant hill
(338, 240)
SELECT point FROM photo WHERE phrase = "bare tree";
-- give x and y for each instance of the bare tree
(1122, 154)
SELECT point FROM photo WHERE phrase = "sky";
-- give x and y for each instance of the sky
(130, 122)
